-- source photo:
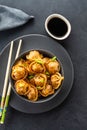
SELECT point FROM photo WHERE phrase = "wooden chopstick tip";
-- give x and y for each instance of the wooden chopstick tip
(21, 40)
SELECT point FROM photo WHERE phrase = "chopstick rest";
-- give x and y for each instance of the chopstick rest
(12, 17)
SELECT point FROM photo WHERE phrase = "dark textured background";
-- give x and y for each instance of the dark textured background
(72, 113)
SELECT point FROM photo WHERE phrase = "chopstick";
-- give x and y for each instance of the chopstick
(9, 89)
(6, 79)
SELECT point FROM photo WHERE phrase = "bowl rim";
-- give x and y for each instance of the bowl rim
(46, 99)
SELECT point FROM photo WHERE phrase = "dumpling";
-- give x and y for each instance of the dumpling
(19, 72)
(24, 63)
(35, 67)
(40, 81)
(33, 55)
(21, 87)
(56, 80)
(20, 62)
(45, 60)
(53, 66)
(32, 93)
(48, 90)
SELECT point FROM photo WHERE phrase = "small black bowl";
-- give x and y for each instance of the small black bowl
(45, 53)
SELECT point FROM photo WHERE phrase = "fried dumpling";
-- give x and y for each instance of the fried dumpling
(20, 62)
(32, 93)
(19, 72)
(56, 80)
(36, 67)
(48, 90)
(45, 60)
(53, 66)
(21, 87)
(33, 55)
(40, 81)
(24, 63)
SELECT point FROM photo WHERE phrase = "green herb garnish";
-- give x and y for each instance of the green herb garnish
(47, 73)
(54, 58)
(38, 87)
(25, 65)
(42, 80)
(39, 61)
(30, 76)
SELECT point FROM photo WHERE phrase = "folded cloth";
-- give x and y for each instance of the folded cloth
(11, 17)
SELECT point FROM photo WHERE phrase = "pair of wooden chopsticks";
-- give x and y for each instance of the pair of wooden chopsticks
(7, 88)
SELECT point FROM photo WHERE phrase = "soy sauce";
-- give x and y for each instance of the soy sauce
(57, 27)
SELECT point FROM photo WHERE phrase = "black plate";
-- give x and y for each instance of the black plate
(36, 41)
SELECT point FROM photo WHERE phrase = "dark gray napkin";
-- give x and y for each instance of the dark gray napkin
(11, 17)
